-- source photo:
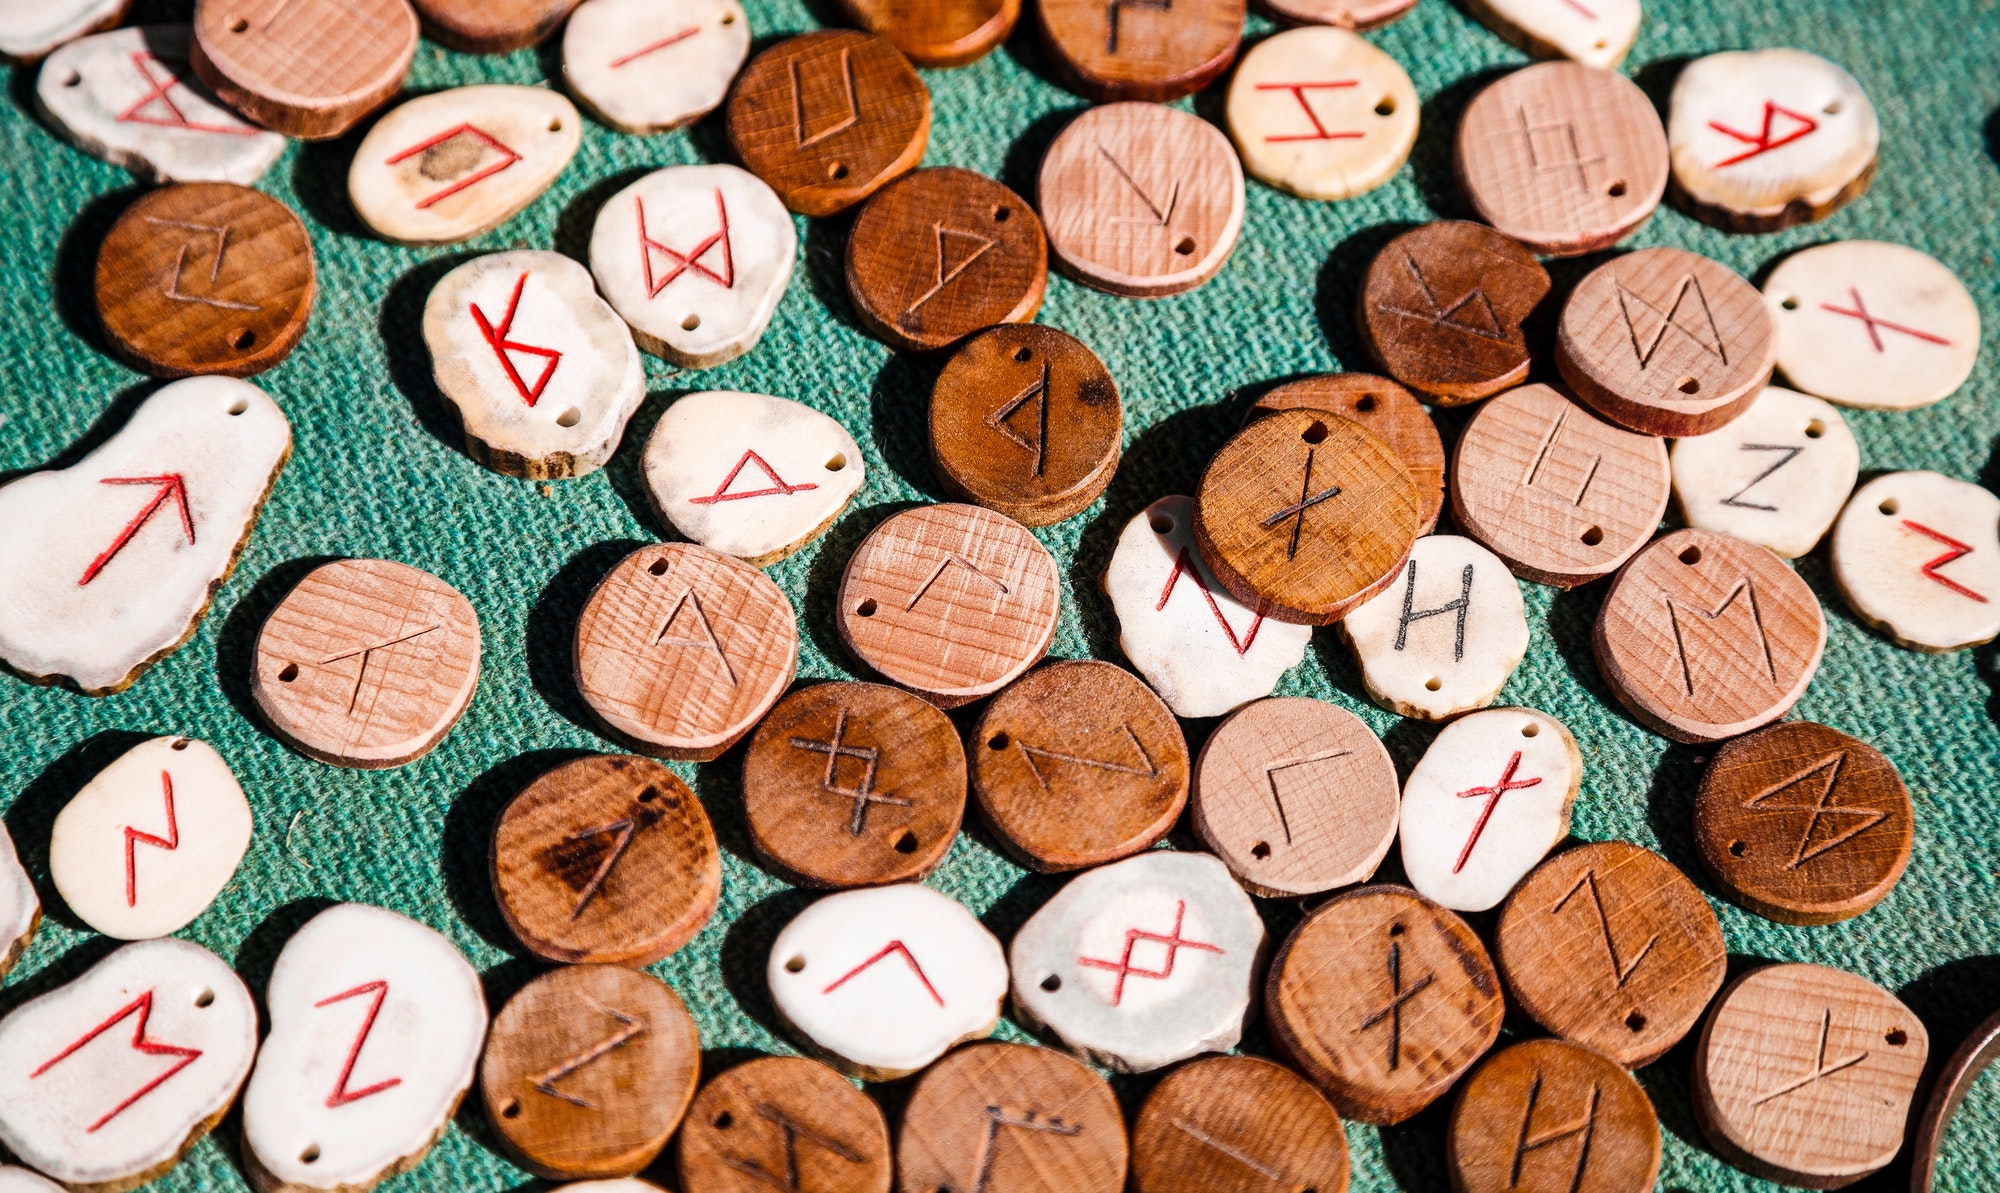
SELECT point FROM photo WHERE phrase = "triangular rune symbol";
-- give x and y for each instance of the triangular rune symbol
(956, 251)
(777, 487)
(699, 632)
(1688, 315)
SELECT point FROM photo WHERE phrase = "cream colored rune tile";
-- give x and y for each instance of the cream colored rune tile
(1593, 32)
(1776, 476)
(544, 373)
(445, 167)
(1321, 113)
(1445, 636)
(1917, 555)
(20, 907)
(20, 1180)
(646, 66)
(31, 28)
(695, 258)
(114, 559)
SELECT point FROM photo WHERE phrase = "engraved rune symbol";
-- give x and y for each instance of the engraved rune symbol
(1860, 311)
(1546, 455)
(172, 286)
(845, 121)
(1113, 11)
(1710, 343)
(1237, 1154)
(160, 92)
(1462, 607)
(629, 1029)
(708, 641)
(171, 485)
(1481, 320)
(1145, 767)
(1173, 941)
(1392, 1011)
(663, 43)
(1957, 549)
(777, 487)
(947, 269)
(1307, 500)
(1580, 1130)
(1736, 498)
(1762, 142)
(937, 571)
(1828, 770)
(1557, 163)
(443, 165)
(366, 653)
(1161, 216)
(1271, 770)
(1184, 565)
(621, 832)
(342, 1095)
(1492, 795)
(835, 748)
(1821, 1069)
(1319, 132)
(496, 338)
(682, 262)
(135, 838)
(997, 1118)
(790, 1133)
(893, 948)
(1744, 588)
(1037, 391)
(1620, 969)
(141, 1043)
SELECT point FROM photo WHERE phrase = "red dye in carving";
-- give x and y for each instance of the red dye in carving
(778, 486)
(1957, 549)
(136, 114)
(686, 261)
(134, 838)
(894, 946)
(1124, 968)
(1184, 565)
(662, 44)
(341, 1095)
(172, 485)
(1298, 91)
(483, 137)
(497, 338)
(1763, 142)
(1506, 784)
(143, 1005)
(1871, 322)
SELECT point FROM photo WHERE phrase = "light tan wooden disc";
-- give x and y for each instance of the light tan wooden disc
(1321, 113)
(1545, 1116)
(1383, 407)
(1237, 1124)
(782, 1123)
(305, 68)
(1009, 1118)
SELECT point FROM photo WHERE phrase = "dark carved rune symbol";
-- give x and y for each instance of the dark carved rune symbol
(621, 832)
(1569, 155)
(893, 949)
(496, 338)
(1821, 1069)
(1145, 767)
(971, 247)
(1763, 141)
(171, 486)
(1745, 588)
(835, 748)
(948, 560)
(790, 1134)
(1471, 312)
(1930, 569)
(1271, 770)
(629, 1029)
(135, 838)
(1320, 131)
(997, 1118)
(1860, 311)
(1161, 216)
(1462, 606)
(1704, 335)
(1307, 500)
(1237, 1154)
(1173, 941)
(172, 286)
(342, 1095)
(1827, 772)
(366, 654)
(777, 488)
(440, 164)
(1736, 498)
(683, 262)
(1392, 1011)
(1580, 1130)
(141, 1043)
(1621, 969)
(1114, 8)
(1492, 795)
(1037, 391)
(707, 641)
(1184, 565)
(1547, 453)
(842, 121)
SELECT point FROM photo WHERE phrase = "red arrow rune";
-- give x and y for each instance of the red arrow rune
(778, 486)
(1871, 322)
(1763, 142)
(662, 44)
(497, 338)
(171, 485)
(508, 158)
(1506, 784)
(1957, 549)
(1124, 968)
(894, 946)
(341, 1095)
(143, 1005)
(134, 838)
(159, 94)
(1298, 91)
(686, 261)
(1184, 565)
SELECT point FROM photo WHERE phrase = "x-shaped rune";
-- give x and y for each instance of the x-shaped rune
(1307, 500)
(1860, 311)
(835, 749)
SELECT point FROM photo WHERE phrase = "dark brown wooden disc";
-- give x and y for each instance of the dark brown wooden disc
(608, 858)
(492, 26)
(1026, 420)
(854, 784)
(1803, 824)
(1387, 410)
(1549, 1117)
(1237, 1124)
(937, 33)
(305, 68)
(205, 277)
(587, 1071)
(783, 1123)
(828, 118)
(1442, 307)
(1010, 1118)
(1140, 49)
(1078, 763)
(1954, 1080)
(942, 253)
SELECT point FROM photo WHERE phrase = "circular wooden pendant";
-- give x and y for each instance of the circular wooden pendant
(1954, 1080)
(205, 277)
(1224, 1122)
(1442, 309)
(1322, 113)
(305, 68)
(609, 858)
(952, 33)
(1549, 1115)
(1139, 51)
(1010, 1118)
(1344, 14)
(492, 26)
(781, 1120)
(1026, 420)
(1383, 408)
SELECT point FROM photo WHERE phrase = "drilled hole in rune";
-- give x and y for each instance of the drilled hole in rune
(239, 406)
(1636, 1021)
(1161, 524)
(907, 843)
(1185, 247)
(658, 567)
(1897, 1037)
(796, 965)
(691, 322)
(569, 418)
(179, 743)
(1815, 429)
(1395, 929)
(242, 338)
(1261, 850)
(1790, 304)
(1052, 983)
(310, 1154)
(205, 999)
(867, 608)
(1433, 684)
(836, 171)
(1387, 107)
(1691, 556)
(239, 25)
(1366, 403)
(724, 1121)
(1616, 188)
(1024, 355)
(1530, 729)
(1689, 385)
(1593, 536)
(1889, 507)
(1738, 848)
(290, 673)
(836, 464)
(649, 795)
(1316, 433)
(1000, 214)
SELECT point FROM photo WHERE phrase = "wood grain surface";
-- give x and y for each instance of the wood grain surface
(306, 68)
(492, 26)
(1010, 1118)
(1237, 1124)
(1441, 309)
(1347, 14)
(1128, 49)
(1954, 1080)
(1803, 824)
(205, 277)
(609, 858)
(936, 33)
(854, 784)
(1385, 409)
(1545, 1116)
(785, 1123)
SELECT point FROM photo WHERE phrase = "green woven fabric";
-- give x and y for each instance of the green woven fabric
(378, 470)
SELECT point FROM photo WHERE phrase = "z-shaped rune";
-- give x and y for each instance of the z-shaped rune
(1124, 968)
(790, 1133)
(171, 485)
(1620, 969)
(1736, 498)
(1821, 1070)
(1145, 766)
(507, 158)
(160, 92)
(1743, 586)
(1161, 217)
(1670, 320)
(663, 43)
(686, 261)
(1575, 161)
(1930, 569)
(629, 1029)
(1492, 795)
(1184, 565)
(708, 641)
(777, 487)
(1241, 1157)
(621, 832)
(997, 1118)
(1298, 91)
(1271, 770)
(835, 748)
(342, 1095)
(143, 1007)
(171, 288)
(1762, 142)
(1822, 805)
(366, 654)
(894, 947)
(1037, 391)
(1307, 500)
(134, 838)
(937, 571)
(846, 122)
(1860, 311)
(1441, 315)
(1547, 453)
(496, 338)
(1392, 1012)
(946, 276)
(1112, 11)
(1531, 1142)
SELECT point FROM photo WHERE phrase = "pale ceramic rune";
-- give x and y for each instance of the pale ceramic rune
(376, 1025)
(31, 28)
(543, 372)
(116, 556)
(1322, 113)
(20, 907)
(646, 66)
(1141, 963)
(130, 97)
(749, 475)
(883, 981)
(1593, 32)
(447, 166)
(1201, 649)
(104, 1082)
(151, 840)
(624, 1184)
(20, 1180)
(695, 258)
(1917, 556)
(1443, 638)
(1487, 801)
(1776, 476)
(1870, 324)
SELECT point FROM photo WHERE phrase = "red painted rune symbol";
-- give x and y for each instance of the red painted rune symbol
(777, 488)
(1174, 942)
(1588, 15)
(1184, 565)
(169, 114)
(507, 158)
(1930, 569)
(1763, 142)
(1871, 322)
(341, 1095)
(1298, 91)
(143, 1006)
(663, 43)
(134, 838)
(171, 485)
(683, 262)
(893, 947)
(1506, 784)
(501, 345)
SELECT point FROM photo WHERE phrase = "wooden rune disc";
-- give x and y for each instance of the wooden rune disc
(827, 118)
(306, 68)
(587, 1071)
(1026, 420)
(681, 650)
(1442, 307)
(1948, 1089)
(1383, 408)
(367, 663)
(1141, 200)
(1345, 14)
(1803, 824)
(1383, 999)
(1667, 342)
(942, 253)
(609, 858)
(937, 33)
(1304, 515)
(1011, 1118)
(1609, 946)
(1546, 1115)
(781, 1120)
(1076, 764)
(1139, 51)
(1565, 158)
(492, 26)
(854, 784)
(1563, 496)
(1804, 1075)
(1704, 637)
(1237, 1124)
(205, 277)
(951, 601)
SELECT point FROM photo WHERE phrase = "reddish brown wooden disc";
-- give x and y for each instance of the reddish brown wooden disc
(937, 33)
(492, 26)
(1345, 14)
(1442, 307)
(1139, 49)
(1010, 1118)
(1237, 1124)
(1388, 411)
(783, 1122)
(1954, 1080)
(306, 68)
(1546, 1115)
